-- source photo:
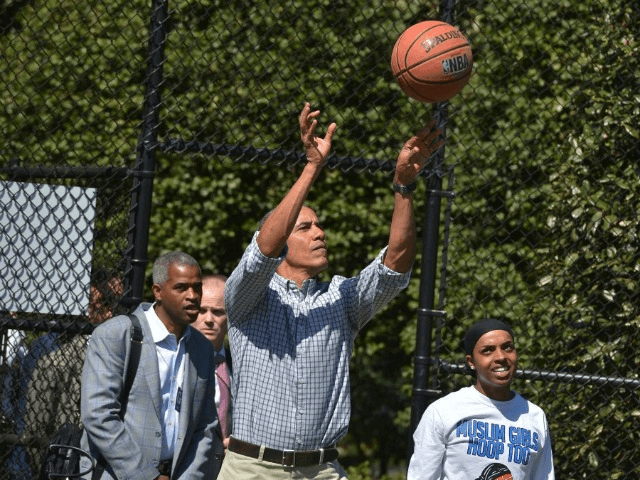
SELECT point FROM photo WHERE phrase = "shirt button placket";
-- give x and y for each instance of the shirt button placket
(301, 323)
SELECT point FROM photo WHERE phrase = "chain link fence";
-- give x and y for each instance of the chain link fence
(530, 211)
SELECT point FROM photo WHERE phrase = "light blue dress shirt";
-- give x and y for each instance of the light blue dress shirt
(170, 353)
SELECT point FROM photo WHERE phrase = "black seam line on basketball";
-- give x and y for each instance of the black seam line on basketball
(407, 70)
(412, 76)
(440, 24)
(431, 84)
(409, 67)
(422, 32)
(421, 97)
(424, 82)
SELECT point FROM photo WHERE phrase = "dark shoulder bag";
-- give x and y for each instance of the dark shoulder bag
(62, 458)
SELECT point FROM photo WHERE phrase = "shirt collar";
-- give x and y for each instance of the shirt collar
(287, 284)
(159, 332)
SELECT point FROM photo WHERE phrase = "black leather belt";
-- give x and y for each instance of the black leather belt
(286, 458)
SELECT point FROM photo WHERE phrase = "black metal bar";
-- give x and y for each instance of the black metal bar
(237, 152)
(27, 440)
(560, 377)
(435, 383)
(71, 325)
(430, 239)
(146, 159)
(57, 172)
(443, 193)
(431, 228)
(428, 273)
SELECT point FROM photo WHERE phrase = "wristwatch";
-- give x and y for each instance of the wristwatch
(404, 189)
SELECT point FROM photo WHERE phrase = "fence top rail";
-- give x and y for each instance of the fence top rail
(278, 156)
(70, 324)
(560, 377)
(58, 172)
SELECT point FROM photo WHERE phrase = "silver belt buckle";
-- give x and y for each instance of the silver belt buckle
(293, 458)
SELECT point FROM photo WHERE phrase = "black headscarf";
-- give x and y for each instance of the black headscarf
(480, 328)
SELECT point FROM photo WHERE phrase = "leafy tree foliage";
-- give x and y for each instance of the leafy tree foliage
(543, 142)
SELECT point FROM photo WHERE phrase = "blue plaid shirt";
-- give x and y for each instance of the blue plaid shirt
(291, 349)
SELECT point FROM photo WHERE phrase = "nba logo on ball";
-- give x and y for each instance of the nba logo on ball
(453, 66)
(432, 61)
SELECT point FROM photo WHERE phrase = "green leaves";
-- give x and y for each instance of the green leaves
(543, 141)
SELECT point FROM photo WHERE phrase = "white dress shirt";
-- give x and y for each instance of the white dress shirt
(223, 353)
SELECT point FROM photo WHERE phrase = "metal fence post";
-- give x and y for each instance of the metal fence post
(146, 157)
(421, 394)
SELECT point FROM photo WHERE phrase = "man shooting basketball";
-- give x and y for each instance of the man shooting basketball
(292, 336)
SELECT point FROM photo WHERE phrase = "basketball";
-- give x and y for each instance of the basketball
(432, 61)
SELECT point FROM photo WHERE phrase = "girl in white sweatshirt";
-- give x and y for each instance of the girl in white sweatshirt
(485, 431)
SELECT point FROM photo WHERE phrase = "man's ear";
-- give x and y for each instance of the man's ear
(157, 292)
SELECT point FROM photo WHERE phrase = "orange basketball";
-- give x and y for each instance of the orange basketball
(432, 61)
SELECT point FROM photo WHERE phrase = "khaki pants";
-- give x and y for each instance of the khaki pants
(239, 467)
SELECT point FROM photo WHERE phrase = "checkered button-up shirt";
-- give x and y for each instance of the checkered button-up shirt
(291, 348)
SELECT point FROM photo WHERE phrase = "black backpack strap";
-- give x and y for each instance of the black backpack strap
(132, 367)
(134, 359)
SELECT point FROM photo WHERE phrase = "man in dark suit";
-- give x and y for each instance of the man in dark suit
(212, 323)
(169, 429)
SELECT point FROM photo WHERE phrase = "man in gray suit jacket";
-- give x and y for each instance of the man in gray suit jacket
(169, 429)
